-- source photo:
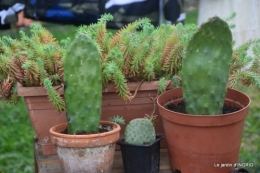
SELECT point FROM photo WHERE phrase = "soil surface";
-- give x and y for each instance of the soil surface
(102, 129)
(180, 107)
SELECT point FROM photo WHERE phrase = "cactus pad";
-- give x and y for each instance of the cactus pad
(83, 86)
(205, 68)
(139, 131)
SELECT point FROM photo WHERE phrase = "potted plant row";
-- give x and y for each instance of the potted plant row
(138, 62)
(130, 78)
(83, 72)
(203, 120)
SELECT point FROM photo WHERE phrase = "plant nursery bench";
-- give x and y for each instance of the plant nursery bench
(50, 164)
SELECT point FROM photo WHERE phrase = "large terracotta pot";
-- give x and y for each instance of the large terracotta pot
(90, 153)
(199, 143)
(43, 115)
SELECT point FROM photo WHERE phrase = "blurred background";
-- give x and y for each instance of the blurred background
(16, 139)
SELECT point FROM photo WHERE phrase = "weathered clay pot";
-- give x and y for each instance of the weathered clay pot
(92, 153)
(199, 143)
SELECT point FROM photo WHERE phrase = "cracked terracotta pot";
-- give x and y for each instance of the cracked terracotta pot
(199, 143)
(91, 153)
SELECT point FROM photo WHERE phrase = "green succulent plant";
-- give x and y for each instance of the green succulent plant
(210, 65)
(83, 86)
(139, 131)
(29, 60)
(117, 119)
(206, 67)
(139, 51)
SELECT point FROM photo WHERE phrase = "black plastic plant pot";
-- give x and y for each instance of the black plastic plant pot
(141, 158)
(240, 170)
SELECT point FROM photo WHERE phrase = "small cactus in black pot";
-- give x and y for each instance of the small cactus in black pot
(140, 131)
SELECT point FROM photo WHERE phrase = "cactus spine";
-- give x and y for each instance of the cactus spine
(139, 131)
(83, 86)
(206, 66)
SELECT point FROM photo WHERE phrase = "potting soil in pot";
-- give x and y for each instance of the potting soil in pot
(180, 107)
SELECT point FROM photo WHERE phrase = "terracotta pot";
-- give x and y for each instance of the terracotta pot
(199, 143)
(43, 115)
(91, 153)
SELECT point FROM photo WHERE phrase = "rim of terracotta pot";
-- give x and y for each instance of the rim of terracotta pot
(233, 97)
(82, 141)
(144, 86)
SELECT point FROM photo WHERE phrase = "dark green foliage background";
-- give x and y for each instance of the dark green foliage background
(16, 139)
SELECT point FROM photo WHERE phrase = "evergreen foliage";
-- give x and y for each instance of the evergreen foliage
(245, 65)
(139, 51)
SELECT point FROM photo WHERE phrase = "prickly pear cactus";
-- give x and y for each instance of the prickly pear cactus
(83, 86)
(139, 131)
(205, 68)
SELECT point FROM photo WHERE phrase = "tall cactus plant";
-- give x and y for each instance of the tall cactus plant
(83, 85)
(205, 68)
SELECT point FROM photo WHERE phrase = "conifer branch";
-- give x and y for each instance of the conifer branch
(161, 85)
(246, 77)
(130, 27)
(113, 72)
(173, 60)
(53, 95)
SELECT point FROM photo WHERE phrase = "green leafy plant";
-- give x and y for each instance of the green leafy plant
(117, 119)
(245, 66)
(139, 52)
(29, 61)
